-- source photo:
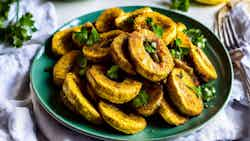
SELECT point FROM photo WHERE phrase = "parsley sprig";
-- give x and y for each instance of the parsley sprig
(141, 99)
(182, 5)
(157, 29)
(177, 51)
(196, 37)
(85, 36)
(15, 33)
(113, 72)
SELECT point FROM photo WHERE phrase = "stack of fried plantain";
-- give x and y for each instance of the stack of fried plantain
(167, 81)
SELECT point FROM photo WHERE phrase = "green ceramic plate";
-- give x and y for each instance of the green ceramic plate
(157, 128)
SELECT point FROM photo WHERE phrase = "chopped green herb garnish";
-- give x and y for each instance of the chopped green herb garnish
(4, 10)
(86, 37)
(17, 33)
(177, 51)
(182, 5)
(82, 62)
(196, 37)
(206, 91)
(150, 47)
(141, 99)
(113, 72)
(157, 29)
(130, 20)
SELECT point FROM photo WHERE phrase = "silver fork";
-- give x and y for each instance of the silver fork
(228, 36)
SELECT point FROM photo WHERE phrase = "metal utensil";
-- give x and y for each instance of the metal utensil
(227, 34)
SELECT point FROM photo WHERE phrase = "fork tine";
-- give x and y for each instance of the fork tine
(225, 36)
(234, 34)
(229, 34)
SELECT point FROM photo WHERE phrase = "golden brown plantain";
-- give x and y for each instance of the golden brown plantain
(156, 95)
(63, 66)
(170, 115)
(118, 48)
(128, 124)
(180, 89)
(202, 64)
(115, 92)
(77, 100)
(91, 93)
(106, 21)
(145, 65)
(126, 21)
(168, 25)
(180, 64)
(62, 41)
(100, 51)
(180, 27)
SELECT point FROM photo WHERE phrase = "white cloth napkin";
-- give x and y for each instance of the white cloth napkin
(16, 122)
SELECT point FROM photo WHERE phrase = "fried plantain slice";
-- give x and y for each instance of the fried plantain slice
(62, 41)
(91, 93)
(202, 64)
(180, 64)
(180, 27)
(168, 25)
(77, 100)
(128, 124)
(115, 92)
(180, 86)
(63, 66)
(106, 21)
(170, 115)
(118, 48)
(145, 65)
(100, 51)
(156, 95)
(126, 21)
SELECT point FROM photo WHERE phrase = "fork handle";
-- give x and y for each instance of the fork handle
(246, 81)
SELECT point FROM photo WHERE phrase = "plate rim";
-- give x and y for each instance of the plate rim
(101, 136)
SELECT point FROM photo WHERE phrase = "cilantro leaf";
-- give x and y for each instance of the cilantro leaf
(86, 37)
(15, 34)
(4, 10)
(157, 29)
(113, 72)
(182, 5)
(177, 51)
(82, 62)
(150, 47)
(141, 99)
(196, 37)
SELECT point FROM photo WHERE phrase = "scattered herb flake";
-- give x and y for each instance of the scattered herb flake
(113, 72)
(177, 51)
(196, 37)
(157, 29)
(141, 99)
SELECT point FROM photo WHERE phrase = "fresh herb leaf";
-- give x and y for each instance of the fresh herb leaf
(182, 5)
(206, 91)
(157, 29)
(93, 37)
(177, 51)
(4, 10)
(196, 37)
(113, 72)
(141, 99)
(150, 47)
(17, 33)
(86, 37)
(130, 20)
(82, 62)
